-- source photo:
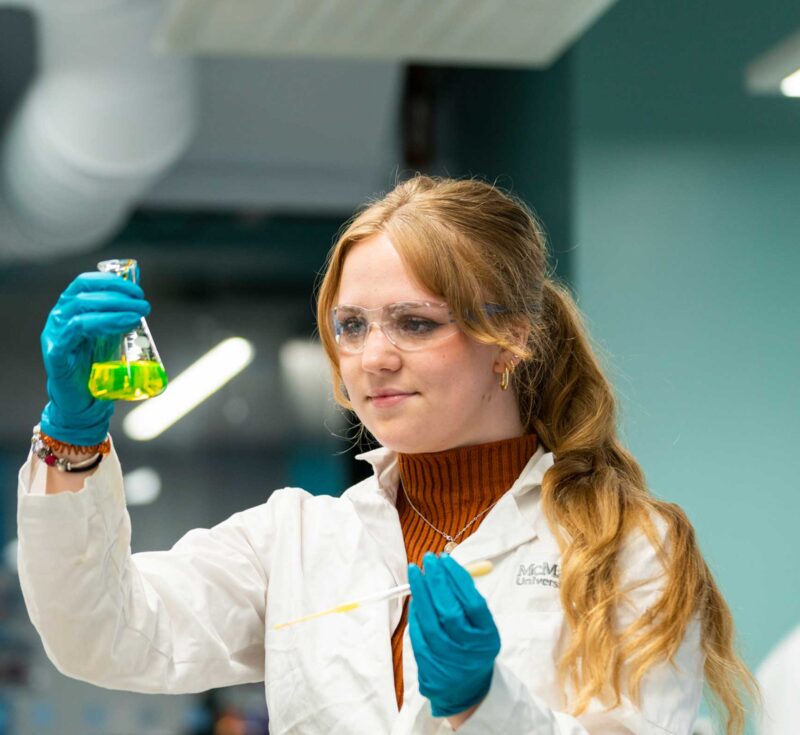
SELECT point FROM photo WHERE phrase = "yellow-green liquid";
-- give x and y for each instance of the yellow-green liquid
(127, 381)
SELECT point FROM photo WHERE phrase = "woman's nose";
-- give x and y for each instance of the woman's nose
(379, 352)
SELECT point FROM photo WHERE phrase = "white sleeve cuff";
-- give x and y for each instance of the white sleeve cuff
(507, 706)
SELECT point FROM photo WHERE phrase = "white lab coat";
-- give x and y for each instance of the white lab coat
(779, 679)
(202, 614)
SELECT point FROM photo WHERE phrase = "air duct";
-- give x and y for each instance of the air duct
(104, 118)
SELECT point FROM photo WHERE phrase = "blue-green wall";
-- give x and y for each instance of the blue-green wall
(672, 198)
(686, 225)
(514, 127)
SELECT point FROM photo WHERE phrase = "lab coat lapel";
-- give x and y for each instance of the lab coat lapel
(515, 520)
(374, 501)
(505, 528)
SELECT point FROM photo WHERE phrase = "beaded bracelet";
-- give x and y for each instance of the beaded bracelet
(58, 446)
(44, 453)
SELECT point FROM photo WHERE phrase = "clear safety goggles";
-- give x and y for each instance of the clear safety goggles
(408, 325)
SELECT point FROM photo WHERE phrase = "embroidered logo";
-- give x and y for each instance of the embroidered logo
(542, 574)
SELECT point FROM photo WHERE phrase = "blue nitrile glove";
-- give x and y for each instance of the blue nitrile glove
(453, 634)
(93, 306)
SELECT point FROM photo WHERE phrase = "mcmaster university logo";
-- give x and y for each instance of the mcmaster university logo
(542, 574)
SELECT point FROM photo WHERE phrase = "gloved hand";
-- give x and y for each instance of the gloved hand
(94, 305)
(453, 634)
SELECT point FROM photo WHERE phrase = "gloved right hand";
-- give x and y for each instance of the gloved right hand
(93, 306)
(453, 635)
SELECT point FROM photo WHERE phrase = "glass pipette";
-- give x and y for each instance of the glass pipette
(476, 569)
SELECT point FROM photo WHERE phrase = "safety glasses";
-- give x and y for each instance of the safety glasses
(408, 325)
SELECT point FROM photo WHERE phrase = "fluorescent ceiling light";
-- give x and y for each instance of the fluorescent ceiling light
(791, 85)
(189, 389)
(778, 70)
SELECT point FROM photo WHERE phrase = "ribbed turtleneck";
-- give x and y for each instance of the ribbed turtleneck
(450, 488)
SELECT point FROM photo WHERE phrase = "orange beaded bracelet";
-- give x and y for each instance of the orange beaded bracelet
(58, 446)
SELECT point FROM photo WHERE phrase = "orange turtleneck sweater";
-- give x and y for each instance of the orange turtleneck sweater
(450, 488)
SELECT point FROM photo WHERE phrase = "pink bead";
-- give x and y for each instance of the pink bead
(50, 459)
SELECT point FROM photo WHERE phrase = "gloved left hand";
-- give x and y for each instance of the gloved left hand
(94, 308)
(453, 634)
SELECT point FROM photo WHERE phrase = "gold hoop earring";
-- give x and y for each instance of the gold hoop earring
(505, 378)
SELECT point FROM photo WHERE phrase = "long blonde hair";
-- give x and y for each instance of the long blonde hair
(471, 243)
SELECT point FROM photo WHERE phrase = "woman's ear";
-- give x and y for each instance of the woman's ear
(507, 358)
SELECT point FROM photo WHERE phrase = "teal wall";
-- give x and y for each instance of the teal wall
(514, 127)
(686, 225)
(672, 199)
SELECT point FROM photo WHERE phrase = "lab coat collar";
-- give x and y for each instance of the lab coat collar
(516, 519)
(387, 473)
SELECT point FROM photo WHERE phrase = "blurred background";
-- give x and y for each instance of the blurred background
(222, 143)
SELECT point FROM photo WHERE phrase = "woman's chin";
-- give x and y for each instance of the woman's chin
(397, 441)
(406, 443)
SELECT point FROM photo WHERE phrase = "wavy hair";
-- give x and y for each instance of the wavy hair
(472, 243)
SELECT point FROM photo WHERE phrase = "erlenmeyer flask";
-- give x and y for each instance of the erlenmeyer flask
(126, 368)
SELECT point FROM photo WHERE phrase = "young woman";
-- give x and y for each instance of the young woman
(470, 367)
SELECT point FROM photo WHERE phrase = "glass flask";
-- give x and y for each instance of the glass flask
(126, 368)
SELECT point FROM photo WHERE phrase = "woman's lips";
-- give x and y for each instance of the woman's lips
(389, 401)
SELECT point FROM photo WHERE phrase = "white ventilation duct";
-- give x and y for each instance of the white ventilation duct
(103, 119)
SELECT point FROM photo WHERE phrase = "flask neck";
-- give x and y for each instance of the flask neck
(126, 268)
